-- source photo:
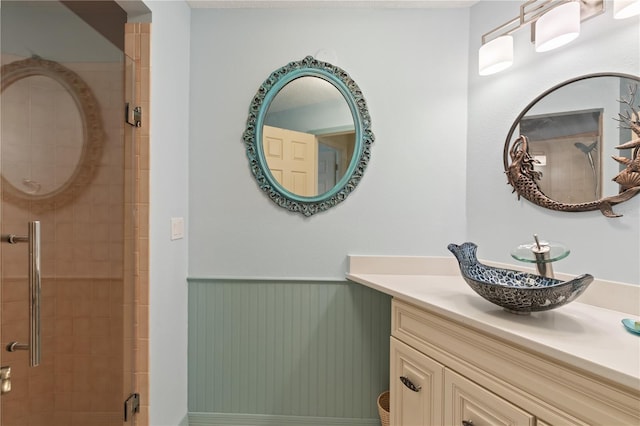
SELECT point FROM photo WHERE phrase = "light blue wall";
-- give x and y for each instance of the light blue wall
(270, 267)
(607, 248)
(332, 114)
(411, 199)
(170, 64)
(435, 175)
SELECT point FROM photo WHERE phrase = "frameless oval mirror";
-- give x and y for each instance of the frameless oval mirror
(308, 136)
(575, 147)
(51, 134)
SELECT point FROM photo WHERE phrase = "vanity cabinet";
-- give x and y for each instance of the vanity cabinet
(426, 393)
(416, 388)
(466, 403)
(457, 375)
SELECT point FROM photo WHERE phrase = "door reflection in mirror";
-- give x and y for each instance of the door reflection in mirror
(308, 136)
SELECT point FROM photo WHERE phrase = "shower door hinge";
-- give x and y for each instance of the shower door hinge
(131, 406)
(133, 116)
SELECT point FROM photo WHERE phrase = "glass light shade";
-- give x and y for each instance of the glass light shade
(495, 55)
(558, 27)
(625, 8)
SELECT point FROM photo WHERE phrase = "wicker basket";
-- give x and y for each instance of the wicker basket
(383, 408)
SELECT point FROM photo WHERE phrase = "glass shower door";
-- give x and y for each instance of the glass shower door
(63, 160)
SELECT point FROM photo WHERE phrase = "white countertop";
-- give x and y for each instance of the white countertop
(582, 335)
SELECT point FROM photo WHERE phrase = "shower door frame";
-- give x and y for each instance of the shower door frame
(138, 48)
(136, 255)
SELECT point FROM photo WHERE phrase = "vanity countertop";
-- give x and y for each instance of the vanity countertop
(588, 337)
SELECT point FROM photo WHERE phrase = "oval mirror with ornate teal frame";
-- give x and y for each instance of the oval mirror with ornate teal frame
(308, 136)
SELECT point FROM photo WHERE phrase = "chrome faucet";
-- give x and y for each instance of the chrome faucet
(541, 252)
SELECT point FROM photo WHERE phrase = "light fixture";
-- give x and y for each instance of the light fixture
(625, 8)
(553, 23)
(558, 27)
(496, 55)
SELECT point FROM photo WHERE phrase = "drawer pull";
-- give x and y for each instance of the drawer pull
(405, 381)
(467, 423)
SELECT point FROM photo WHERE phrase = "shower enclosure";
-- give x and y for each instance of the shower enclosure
(67, 293)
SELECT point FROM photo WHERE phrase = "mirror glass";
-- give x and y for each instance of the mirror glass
(52, 133)
(573, 130)
(308, 136)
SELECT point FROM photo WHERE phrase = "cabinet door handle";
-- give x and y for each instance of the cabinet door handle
(467, 423)
(408, 383)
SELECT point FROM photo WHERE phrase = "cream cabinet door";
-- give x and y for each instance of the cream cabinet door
(467, 404)
(415, 387)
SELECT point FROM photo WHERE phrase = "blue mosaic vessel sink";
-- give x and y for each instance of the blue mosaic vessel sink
(515, 291)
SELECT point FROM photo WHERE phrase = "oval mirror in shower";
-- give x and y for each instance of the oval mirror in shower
(52, 133)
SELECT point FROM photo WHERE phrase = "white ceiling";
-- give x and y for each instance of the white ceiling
(330, 3)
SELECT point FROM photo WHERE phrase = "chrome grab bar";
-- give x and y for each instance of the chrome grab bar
(34, 293)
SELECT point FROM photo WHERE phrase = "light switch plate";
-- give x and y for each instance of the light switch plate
(177, 228)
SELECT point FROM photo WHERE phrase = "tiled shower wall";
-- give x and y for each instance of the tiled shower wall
(78, 381)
